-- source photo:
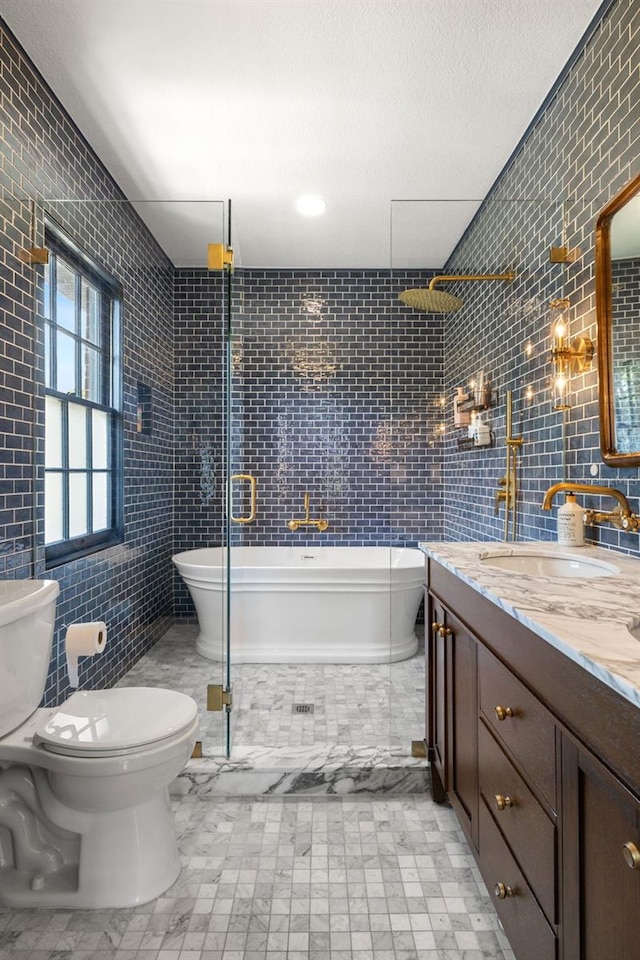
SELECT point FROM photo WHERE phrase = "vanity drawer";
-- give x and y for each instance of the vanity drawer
(530, 833)
(530, 935)
(520, 723)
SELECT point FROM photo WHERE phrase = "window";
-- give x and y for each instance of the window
(83, 420)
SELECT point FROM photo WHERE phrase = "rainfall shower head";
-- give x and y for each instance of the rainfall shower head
(430, 300)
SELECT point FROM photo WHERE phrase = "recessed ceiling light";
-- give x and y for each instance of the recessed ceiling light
(311, 206)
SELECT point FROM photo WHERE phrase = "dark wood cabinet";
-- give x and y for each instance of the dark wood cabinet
(526, 825)
(531, 937)
(601, 859)
(541, 763)
(438, 708)
(463, 727)
(454, 699)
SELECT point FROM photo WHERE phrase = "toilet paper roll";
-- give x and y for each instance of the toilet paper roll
(83, 640)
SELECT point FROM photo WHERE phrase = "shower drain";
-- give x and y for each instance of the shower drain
(303, 708)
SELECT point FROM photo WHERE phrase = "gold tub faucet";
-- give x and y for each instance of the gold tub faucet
(320, 523)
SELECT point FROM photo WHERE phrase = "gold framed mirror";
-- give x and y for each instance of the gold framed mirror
(618, 316)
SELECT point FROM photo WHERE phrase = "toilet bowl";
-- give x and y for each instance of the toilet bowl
(85, 819)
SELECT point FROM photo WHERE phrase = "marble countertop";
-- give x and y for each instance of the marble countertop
(586, 619)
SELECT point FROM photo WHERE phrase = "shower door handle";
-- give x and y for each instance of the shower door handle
(252, 506)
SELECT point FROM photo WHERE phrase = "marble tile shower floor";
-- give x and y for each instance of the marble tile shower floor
(357, 737)
(291, 878)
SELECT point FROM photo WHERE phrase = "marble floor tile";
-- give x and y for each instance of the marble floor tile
(370, 875)
(362, 705)
(357, 737)
(290, 878)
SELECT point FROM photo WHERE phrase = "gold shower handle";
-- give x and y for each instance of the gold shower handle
(252, 508)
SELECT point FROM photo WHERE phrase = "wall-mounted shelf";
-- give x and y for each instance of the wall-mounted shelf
(474, 404)
(468, 443)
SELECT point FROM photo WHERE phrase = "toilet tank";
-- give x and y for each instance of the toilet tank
(27, 616)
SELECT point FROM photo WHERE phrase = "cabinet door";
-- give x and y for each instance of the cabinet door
(462, 745)
(601, 860)
(438, 707)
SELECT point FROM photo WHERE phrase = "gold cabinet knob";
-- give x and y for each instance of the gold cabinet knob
(503, 712)
(503, 802)
(444, 632)
(631, 855)
(435, 626)
(502, 891)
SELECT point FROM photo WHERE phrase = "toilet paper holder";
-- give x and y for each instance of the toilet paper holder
(83, 640)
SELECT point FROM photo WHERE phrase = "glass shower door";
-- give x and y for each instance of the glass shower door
(240, 486)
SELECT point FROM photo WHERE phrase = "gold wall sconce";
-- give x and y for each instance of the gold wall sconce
(568, 356)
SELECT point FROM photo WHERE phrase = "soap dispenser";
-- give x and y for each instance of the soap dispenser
(571, 523)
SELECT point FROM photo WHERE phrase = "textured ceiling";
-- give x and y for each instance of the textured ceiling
(260, 101)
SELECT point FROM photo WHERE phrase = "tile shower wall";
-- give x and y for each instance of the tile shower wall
(129, 586)
(198, 416)
(582, 149)
(334, 393)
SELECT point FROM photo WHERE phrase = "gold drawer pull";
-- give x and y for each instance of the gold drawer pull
(502, 802)
(631, 855)
(435, 626)
(444, 632)
(503, 712)
(502, 891)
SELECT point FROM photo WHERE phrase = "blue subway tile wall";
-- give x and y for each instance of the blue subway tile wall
(336, 383)
(334, 393)
(583, 148)
(48, 168)
(199, 343)
(17, 409)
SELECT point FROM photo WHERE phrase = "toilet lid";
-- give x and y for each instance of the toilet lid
(95, 722)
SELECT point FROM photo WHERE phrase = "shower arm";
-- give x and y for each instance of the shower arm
(430, 300)
(470, 276)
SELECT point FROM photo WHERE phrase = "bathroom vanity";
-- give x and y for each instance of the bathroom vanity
(533, 732)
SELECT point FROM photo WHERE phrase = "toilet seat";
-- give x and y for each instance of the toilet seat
(111, 723)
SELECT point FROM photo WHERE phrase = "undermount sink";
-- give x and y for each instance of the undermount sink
(535, 564)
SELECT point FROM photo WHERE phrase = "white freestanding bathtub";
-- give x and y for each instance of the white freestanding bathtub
(305, 604)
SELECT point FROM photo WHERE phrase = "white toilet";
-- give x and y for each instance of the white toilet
(85, 819)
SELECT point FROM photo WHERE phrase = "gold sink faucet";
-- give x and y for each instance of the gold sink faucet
(621, 516)
(320, 523)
